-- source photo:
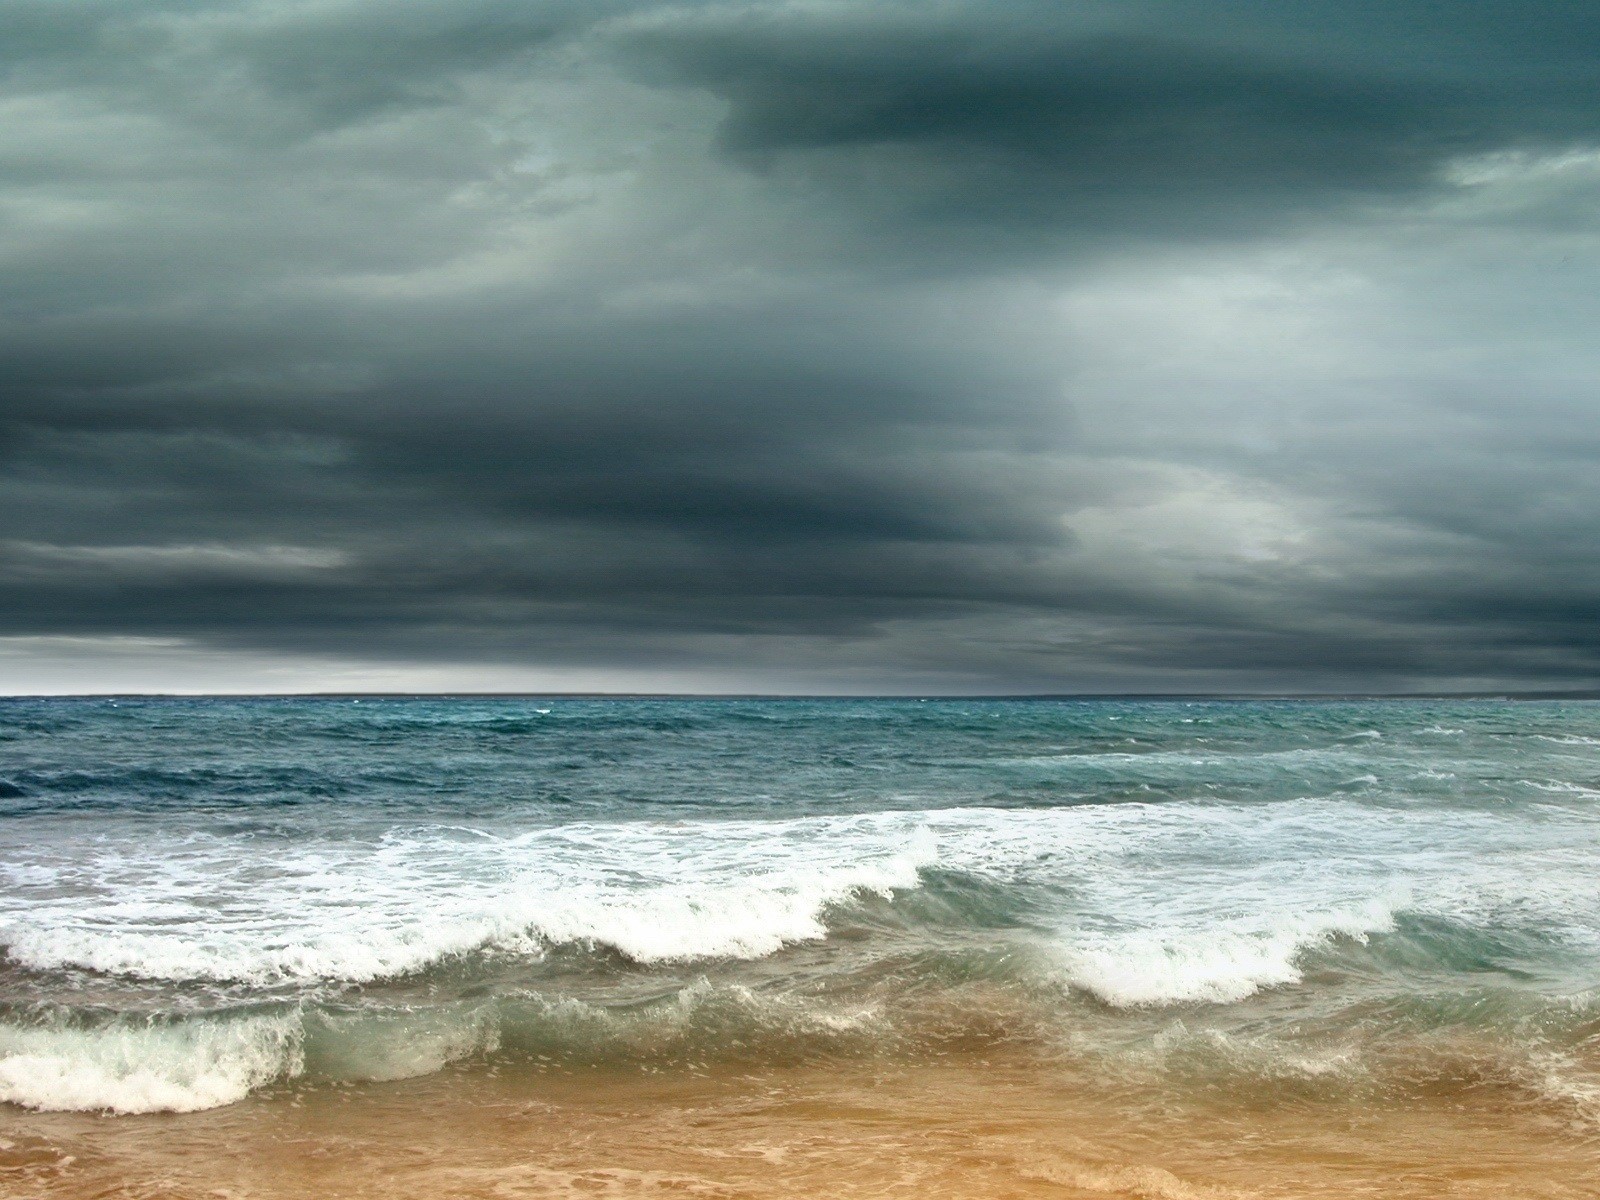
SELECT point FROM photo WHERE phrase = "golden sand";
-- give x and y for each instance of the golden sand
(972, 1128)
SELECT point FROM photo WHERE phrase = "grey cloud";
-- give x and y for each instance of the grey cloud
(267, 73)
(849, 347)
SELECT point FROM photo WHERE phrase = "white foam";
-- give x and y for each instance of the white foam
(133, 1067)
(1215, 964)
(1139, 1181)
(740, 922)
(1186, 758)
(364, 911)
(1562, 787)
(1178, 900)
(1565, 1082)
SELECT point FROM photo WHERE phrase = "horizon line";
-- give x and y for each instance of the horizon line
(1473, 694)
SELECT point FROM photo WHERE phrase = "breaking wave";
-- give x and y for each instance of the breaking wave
(1215, 965)
(129, 1066)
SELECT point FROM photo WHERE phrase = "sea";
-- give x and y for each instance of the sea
(529, 946)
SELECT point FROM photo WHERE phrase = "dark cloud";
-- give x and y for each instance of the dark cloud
(1011, 131)
(822, 346)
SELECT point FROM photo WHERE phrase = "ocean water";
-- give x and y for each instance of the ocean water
(200, 898)
(209, 900)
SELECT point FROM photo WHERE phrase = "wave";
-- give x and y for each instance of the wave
(377, 1045)
(189, 1063)
(1213, 965)
(79, 1062)
(745, 922)
(1563, 787)
(146, 1066)
(205, 908)
(739, 916)
(1115, 1017)
(1210, 758)
(1186, 900)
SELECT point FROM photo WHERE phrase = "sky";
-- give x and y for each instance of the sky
(949, 347)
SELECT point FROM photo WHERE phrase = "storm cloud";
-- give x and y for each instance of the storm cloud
(816, 347)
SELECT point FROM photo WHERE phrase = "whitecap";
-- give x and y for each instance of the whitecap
(145, 1066)
(1211, 964)
(653, 893)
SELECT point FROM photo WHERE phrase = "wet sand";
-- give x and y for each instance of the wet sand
(969, 1127)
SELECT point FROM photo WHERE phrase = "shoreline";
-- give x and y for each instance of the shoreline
(985, 1124)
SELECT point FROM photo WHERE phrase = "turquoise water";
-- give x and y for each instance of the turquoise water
(204, 898)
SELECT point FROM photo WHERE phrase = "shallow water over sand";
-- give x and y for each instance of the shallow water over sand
(998, 1126)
